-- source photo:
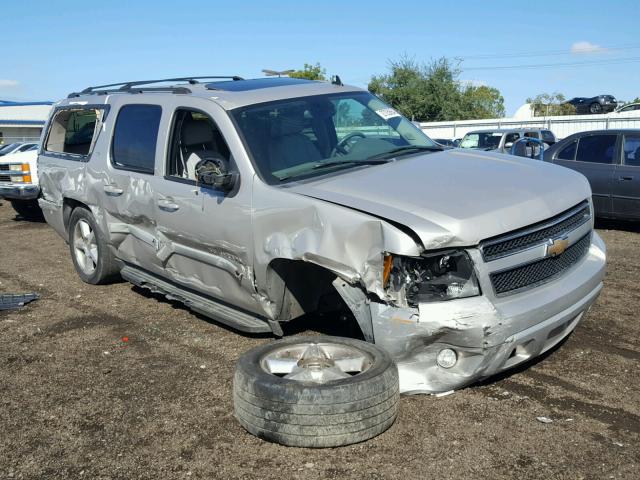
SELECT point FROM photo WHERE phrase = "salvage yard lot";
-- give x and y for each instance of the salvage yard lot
(114, 382)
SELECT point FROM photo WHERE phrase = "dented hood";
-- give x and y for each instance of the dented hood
(455, 197)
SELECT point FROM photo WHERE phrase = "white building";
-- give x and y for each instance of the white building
(22, 121)
(561, 126)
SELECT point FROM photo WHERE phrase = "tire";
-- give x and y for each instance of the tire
(27, 209)
(90, 253)
(595, 108)
(302, 413)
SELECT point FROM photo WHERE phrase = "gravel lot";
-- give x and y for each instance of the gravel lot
(113, 382)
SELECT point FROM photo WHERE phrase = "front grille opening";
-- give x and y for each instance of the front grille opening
(520, 240)
(540, 271)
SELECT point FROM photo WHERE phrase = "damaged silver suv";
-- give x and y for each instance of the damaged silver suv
(257, 201)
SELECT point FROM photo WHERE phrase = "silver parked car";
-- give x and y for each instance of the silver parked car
(501, 140)
(258, 201)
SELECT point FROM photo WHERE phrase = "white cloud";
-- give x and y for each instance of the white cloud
(8, 83)
(586, 48)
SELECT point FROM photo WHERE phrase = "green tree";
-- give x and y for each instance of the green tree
(310, 72)
(550, 104)
(434, 92)
(483, 102)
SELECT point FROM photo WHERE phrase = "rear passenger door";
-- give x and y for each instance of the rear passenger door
(123, 183)
(626, 179)
(593, 155)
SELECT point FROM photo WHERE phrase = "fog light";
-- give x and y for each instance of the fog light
(447, 358)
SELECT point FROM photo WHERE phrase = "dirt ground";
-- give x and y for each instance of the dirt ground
(112, 382)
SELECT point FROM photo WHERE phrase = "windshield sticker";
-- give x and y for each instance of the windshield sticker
(387, 113)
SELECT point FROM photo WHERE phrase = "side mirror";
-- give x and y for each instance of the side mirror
(215, 174)
(508, 145)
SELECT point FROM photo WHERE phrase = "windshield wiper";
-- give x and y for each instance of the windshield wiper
(405, 150)
(334, 163)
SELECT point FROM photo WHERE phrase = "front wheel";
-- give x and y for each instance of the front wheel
(316, 391)
(595, 108)
(90, 253)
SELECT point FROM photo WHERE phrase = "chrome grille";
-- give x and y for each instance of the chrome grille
(540, 271)
(518, 240)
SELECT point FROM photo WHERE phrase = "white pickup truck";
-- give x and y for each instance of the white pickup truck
(19, 182)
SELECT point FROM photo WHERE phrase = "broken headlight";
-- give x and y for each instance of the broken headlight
(433, 277)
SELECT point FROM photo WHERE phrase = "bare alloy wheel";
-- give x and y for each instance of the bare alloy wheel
(85, 247)
(90, 253)
(595, 108)
(316, 362)
(316, 391)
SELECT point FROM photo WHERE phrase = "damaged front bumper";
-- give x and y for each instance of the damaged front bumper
(488, 334)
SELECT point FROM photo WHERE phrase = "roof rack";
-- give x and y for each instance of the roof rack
(129, 87)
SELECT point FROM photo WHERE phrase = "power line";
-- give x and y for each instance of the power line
(544, 53)
(563, 64)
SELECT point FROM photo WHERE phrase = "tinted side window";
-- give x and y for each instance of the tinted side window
(135, 136)
(568, 152)
(548, 137)
(73, 131)
(511, 137)
(632, 150)
(531, 134)
(596, 148)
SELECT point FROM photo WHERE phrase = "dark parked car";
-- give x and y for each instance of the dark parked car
(594, 105)
(610, 159)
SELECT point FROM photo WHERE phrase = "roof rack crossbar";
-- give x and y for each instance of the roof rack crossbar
(126, 86)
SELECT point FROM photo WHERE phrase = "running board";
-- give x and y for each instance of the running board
(210, 308)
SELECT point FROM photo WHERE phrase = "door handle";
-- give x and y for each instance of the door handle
(113, 190)
(626, 177)
(168, 205)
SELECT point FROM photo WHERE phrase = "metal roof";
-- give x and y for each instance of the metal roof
(11, 103)
(24, 113)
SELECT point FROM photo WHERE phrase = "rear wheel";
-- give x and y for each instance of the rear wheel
(595, 108)
(27, 209)
(90, 253)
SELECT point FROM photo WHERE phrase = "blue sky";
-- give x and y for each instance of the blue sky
(52, 48)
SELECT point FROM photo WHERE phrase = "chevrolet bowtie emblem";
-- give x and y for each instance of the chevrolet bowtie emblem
(555, 246)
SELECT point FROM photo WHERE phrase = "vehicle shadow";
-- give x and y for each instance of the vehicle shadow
(178, 305)
(622, 225)
(29, 218)
(333, 324)
(33, 215)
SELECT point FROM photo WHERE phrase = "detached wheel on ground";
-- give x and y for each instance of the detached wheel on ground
(27, 209)
(91, 256)
(317, 391)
